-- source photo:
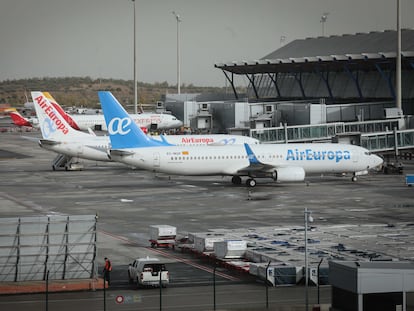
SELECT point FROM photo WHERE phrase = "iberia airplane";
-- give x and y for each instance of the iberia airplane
(281, 162)
(20, 120)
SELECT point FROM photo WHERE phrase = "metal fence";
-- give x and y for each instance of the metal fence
(64, 246)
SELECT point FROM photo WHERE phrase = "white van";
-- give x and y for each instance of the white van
(148, 272)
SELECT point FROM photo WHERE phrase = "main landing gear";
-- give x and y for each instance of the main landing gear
(250, 182)
(236, 180)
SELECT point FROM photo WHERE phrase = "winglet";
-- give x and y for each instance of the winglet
(123, 131)
(251, 155)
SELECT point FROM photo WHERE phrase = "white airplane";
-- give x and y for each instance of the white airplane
(60, 137)
(147, 120)
(196, 140)
(97, 122)
(281, 162)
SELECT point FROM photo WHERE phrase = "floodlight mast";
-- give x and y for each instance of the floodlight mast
(324, 17)
(398, 96)
(179, 20)
(135, 65)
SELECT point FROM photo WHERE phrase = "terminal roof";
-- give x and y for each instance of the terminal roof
(362, 49)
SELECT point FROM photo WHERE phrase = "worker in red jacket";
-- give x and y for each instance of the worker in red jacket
(107, 271)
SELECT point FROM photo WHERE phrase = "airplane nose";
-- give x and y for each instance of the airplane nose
(377, 161)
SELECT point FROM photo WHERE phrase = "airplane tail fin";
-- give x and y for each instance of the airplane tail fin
(51, 123)
(18, 119)
(123, 131)
(62, 112)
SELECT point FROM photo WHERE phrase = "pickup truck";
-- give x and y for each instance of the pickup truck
(148, 272)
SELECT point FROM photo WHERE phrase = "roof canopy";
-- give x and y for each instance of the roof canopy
(362, 49)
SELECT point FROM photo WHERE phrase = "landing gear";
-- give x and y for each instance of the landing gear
(250, 182)
(354, 178)
(236, 180)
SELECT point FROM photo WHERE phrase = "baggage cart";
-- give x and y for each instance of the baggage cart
(409, 179)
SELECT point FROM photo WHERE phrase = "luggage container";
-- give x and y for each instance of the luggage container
(230, 249)
(277, 273)
(162, 235)
(205, 242)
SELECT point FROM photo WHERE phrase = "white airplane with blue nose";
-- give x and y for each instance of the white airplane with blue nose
(281, 162)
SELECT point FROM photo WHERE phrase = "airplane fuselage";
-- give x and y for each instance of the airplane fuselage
(162, 121)
(211, 160)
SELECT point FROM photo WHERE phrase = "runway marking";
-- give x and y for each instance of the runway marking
(185, 261)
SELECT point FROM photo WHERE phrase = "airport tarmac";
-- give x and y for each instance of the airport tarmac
(127, 201)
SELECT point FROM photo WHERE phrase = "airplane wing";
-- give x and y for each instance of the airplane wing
(42, 141)
(34, 139)
(255, 166)
(277, 172)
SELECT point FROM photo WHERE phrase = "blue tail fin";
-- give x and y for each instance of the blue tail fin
(123, 131)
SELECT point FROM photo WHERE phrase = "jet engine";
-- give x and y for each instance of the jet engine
(291, 173)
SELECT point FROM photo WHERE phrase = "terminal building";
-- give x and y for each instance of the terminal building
(346, 80)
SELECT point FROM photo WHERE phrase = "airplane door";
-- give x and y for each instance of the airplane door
(355, 157)
(156, 159)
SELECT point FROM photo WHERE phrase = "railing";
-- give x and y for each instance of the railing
(388, 140)
(302, 133)
(377, 136)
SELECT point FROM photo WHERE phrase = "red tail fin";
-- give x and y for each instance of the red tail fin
(19, 120)
(62, 112)
(65, 116)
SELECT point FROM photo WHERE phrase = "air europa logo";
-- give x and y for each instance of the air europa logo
(311, 155)
(194, 140)
(119, 126)
(56, 123)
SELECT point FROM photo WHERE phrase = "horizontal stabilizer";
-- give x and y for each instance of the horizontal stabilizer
(122, 153)
(34, 139)
(49, 142)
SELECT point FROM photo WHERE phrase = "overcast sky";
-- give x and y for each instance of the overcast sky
(58, 38)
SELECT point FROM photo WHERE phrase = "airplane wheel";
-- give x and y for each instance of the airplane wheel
(251, 183)
(354, 178)
(236, 180)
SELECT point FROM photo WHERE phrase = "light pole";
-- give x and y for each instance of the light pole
(135, 65)
(282, 40)
(308, 217)
(398, 59)
(324, 17)
(179, 20)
